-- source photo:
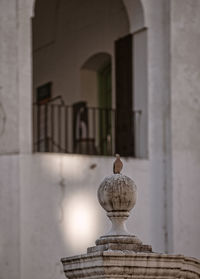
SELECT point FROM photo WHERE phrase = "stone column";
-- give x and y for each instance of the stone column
(15, 126)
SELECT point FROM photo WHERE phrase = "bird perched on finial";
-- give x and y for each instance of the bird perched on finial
(118, 165)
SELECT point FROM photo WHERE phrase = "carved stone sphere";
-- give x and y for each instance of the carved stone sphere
(117, 193)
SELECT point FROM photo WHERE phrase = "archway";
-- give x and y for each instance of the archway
(60, 51)
(63, 39)
(96, 90)
(96, 80)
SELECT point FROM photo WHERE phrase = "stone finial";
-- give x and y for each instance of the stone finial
(117, 195)
(118, 165)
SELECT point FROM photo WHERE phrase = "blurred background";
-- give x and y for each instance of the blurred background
(81, 81)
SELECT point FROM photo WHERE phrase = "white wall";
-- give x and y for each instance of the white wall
(9, 94)
(185, 98)
(51, 181)
(9, 217)
(140, 92)
(15, 126)
(157, 23)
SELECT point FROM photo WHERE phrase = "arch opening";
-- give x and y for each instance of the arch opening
(96, 89)
(67, 82)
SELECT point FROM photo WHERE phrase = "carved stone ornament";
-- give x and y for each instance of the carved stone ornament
(117, 195)
(119, 254)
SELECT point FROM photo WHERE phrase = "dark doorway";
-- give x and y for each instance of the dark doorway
(124, 128)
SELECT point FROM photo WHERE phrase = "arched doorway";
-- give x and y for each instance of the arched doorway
(96, 89)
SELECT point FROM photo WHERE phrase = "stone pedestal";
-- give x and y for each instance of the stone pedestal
(119, 254)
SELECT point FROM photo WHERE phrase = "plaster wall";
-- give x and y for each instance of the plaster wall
(15, 84)
(9, 217)
(9, 98)
(15, 126)
(140, 92)
(157, 20)
(185, 100)
(24, 70)
(51, 181)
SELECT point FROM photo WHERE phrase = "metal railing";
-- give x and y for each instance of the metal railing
(82, 130)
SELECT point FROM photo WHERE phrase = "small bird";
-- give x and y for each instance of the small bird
(117, 165)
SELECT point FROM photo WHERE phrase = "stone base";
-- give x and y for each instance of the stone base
(122, 242)
(128, 264)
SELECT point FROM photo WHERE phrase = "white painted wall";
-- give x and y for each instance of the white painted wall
(15, 126)
(10, 251)
(48, 182)
(9, 95)
(185, 98)
(140, 92)
(157, 22)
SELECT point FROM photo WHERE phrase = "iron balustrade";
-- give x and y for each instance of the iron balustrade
(90, 130)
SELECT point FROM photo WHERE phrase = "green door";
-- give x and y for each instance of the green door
(105, 112)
